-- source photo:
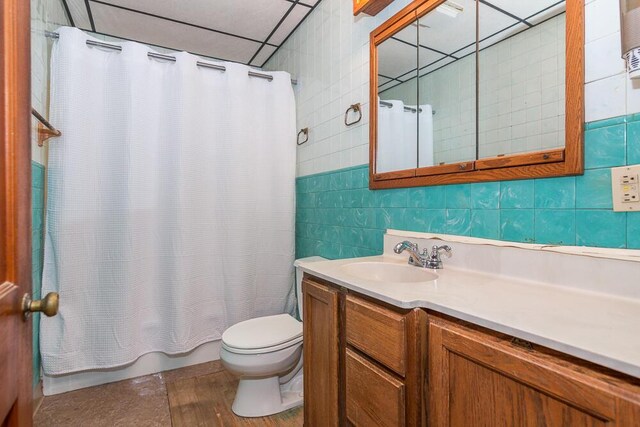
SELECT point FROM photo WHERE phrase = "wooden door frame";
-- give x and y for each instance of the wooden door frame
(15, 194)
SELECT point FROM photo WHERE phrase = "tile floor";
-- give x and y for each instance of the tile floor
(199, 395)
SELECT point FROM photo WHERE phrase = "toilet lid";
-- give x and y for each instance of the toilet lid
(262, 332)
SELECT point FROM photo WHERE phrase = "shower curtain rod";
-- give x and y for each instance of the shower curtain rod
(169, 57)
(413, 110)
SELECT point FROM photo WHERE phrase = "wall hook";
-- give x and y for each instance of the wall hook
(356, 109)
(305, 132)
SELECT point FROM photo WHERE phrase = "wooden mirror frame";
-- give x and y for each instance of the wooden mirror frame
(538, 164)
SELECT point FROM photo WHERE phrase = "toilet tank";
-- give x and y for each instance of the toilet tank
(299, 274)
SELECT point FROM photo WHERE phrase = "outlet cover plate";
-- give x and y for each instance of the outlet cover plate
(625, 188)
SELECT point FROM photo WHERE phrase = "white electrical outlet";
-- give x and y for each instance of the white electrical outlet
(626, 188)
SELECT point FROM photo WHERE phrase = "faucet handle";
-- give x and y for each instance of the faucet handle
(436, 250)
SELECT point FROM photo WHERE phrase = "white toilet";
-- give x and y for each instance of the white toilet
(266, 353)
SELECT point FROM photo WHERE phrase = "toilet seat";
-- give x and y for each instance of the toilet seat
(263, 335)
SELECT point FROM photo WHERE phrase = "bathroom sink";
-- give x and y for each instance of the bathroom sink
(388, 272)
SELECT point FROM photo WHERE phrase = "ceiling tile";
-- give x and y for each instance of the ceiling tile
(439, 32)
(310, 2)
(408, 34)
(254, 19)
(263, 55)
(396, 58)
(492, 21)
(456, 35)
(447, 33)
(79, 14)
(499, 31)
(146, 29)
(428, 56)
(291, 21)
(524, 9)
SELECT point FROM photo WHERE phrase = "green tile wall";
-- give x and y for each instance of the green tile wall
(337, 216)
(37, 221)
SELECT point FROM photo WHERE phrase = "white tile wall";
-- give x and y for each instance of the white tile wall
(329, 55)
(451, 92)
(529, 71)
(46, 15)
(608, 91)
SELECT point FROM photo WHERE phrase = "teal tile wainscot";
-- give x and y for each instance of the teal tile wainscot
(37, 228)
(339, 217)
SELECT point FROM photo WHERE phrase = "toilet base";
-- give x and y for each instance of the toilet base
(266, 396)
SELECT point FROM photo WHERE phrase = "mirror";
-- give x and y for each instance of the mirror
(476, 90)
(521, 69)
(447, 87)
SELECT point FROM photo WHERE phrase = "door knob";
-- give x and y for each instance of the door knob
(48, 305)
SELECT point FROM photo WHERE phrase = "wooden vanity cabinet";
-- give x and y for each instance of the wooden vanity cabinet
(366, 360)
(480, 377)
(370, 364)
(321, 354)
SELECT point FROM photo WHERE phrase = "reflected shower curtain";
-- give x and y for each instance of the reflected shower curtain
(170, 203)
(397, 148)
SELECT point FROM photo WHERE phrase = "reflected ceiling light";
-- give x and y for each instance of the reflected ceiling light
(630, 25)
(450, 8)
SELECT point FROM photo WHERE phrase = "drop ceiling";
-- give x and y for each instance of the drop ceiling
(245, 31)
(443, 39)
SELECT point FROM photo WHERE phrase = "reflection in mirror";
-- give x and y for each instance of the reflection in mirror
(397, 113)
(521, 76)
(447, 89)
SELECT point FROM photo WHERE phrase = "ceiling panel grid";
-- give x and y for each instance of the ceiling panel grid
(245, 31)
(440, 43)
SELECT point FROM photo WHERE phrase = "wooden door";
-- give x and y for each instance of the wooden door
(321, 355)
(15, 216)
(480, 378)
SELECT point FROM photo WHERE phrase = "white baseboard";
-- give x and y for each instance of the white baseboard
(150, 363)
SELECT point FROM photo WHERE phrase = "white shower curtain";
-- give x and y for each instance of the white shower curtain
(397, 131)
(170, 203)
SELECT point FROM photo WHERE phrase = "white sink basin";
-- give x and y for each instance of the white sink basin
(388, 272)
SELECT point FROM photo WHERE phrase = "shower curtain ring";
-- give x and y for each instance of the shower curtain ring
(356, 109)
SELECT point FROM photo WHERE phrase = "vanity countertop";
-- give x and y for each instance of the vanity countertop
(598, 327)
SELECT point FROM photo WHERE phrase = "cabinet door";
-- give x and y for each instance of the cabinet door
(374, 397)
(321, 354)
(481, 378)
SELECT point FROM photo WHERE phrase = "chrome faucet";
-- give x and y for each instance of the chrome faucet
(424, 259)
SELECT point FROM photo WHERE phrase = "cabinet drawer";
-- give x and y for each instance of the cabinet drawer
(378, 332)
(374, 398)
